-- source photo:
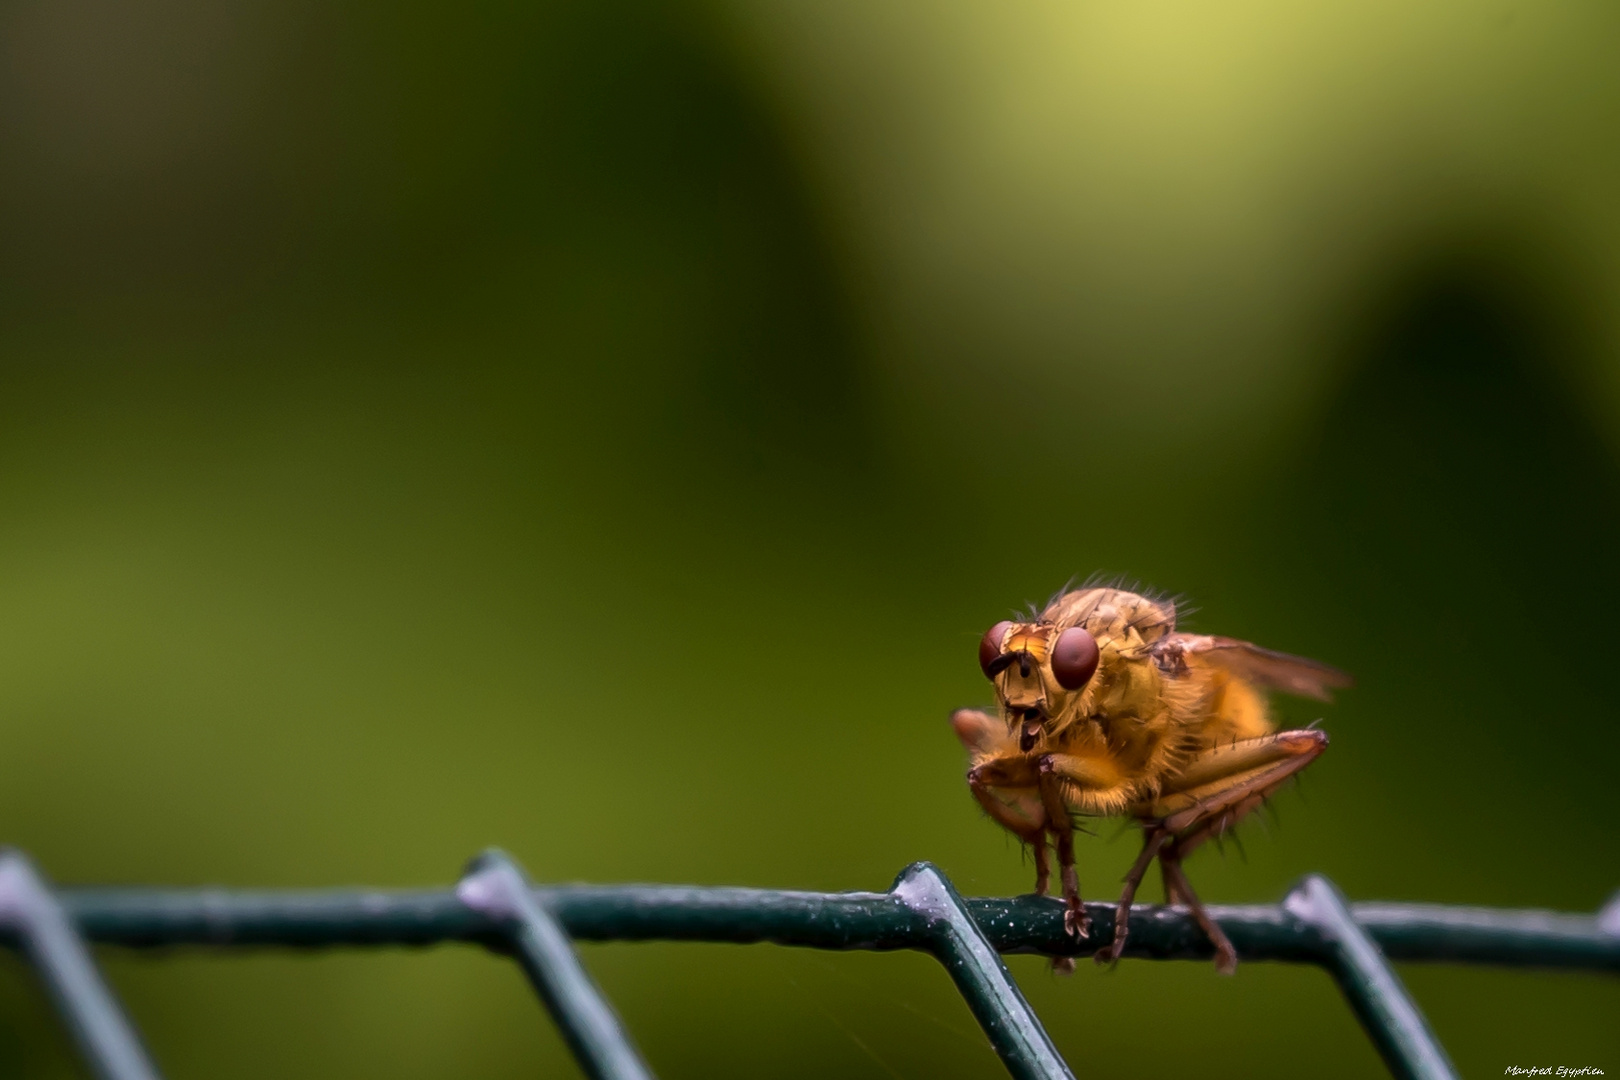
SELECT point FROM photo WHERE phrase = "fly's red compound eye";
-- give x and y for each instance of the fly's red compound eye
(990, 647)
(1074, 658)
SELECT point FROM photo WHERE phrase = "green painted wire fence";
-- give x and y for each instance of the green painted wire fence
(494, 905)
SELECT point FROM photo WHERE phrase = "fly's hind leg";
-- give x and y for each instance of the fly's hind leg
(1214, 792)
(1172, 894)
(1179, 891)
(1153, 839)
(1225, 954)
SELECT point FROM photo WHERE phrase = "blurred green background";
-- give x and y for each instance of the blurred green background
(604, 430)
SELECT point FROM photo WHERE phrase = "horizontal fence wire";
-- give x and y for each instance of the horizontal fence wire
(155, 917)
(495, 906)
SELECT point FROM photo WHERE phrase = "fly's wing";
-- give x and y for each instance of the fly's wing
(1264, 667)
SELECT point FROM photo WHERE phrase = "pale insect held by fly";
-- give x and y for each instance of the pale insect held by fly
(1105, 710)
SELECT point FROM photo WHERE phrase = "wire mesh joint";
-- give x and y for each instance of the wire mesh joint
(495, 887)
(1374, 991)
(32, 916)
(1000, 1007)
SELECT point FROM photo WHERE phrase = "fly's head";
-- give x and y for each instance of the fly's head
(1040, 672)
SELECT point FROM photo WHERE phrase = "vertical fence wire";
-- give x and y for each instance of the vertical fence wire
(35, 920)
(495, 886)
(1376, 994)
(974, 965)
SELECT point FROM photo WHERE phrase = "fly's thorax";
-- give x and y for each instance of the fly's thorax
(1113, 613)
(1124, 625)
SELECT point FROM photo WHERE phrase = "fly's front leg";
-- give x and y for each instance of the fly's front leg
(1006, 787)
(1003, 781)
(1075, 921)
(1043, 867)
(1070, 782)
